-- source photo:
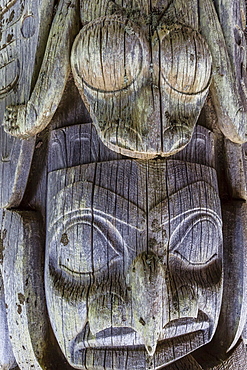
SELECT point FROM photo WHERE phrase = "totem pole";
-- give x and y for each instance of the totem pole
(123, 186)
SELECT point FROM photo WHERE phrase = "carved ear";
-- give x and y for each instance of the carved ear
(233, 311)
(233, 307)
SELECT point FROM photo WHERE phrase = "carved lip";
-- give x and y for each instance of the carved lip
(127, 337)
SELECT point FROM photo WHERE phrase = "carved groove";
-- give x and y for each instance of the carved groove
(10, 87)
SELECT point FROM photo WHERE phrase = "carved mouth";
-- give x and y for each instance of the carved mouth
(126, 337)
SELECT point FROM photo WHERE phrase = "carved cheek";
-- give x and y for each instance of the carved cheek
(110, 61)
(182, 71)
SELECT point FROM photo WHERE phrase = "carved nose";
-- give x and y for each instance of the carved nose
(141, 303)
(148, 290)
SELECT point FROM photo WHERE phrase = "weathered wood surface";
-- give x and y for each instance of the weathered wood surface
(23, 289)
(24, 25)
(7, 359)
(234, 360)
(186, 363)
(236, 162)
(150, 71)
(52, 77)
(145, 259)
(121, 227)
(156, 73)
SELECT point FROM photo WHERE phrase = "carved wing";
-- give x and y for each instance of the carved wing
(23, 31)
(222, 23)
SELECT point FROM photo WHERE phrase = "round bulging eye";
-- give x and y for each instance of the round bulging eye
(108, 54)
(186, 62)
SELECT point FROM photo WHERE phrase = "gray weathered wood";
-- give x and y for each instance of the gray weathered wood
(226, 41)
(186, 363)
(234, 360)
(7, 360)
(128, 220)
(33, 117)
(145, 264)
(166, 77)
(234, 300)
(23, 30)
(236, 167)
(23, 287)
(153, 76)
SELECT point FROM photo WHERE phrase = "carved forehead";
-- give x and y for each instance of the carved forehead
(144, 12)
(91, 10)
(128, 190)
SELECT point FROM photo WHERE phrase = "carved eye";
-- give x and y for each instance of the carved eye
(86, 245)
(108, 54)
(185, 61)
(198, 237)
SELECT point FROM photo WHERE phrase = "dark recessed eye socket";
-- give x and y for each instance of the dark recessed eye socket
(108, 54)
(204, 275)
(86, 245)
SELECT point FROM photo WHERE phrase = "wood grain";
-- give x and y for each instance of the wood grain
(143, 207)
(102, 282)
(163, 68)
(7, 359)
(226, 41)
(23, 32)
(33, 117)
(161, 75)
(24, 291)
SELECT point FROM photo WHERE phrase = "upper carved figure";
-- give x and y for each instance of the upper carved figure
(144, 70)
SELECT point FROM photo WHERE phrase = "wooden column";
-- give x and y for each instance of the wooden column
(123, 185)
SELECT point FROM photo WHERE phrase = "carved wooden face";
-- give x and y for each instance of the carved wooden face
(143, 74)
(133, 263)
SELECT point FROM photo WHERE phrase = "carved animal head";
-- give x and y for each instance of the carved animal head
(144, 76)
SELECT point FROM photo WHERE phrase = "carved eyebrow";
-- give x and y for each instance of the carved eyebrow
(117, 195)
(95, 212)
(173, 198)
(63, 198)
